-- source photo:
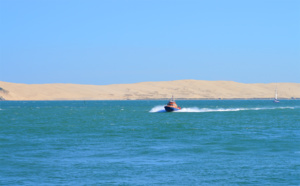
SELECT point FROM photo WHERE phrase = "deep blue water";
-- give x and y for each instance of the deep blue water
(220, 142)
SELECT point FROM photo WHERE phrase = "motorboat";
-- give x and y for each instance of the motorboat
(172, 106)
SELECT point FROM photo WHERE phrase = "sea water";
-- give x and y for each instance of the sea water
(220, 142)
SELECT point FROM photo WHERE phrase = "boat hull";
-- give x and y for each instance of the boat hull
(171, 109)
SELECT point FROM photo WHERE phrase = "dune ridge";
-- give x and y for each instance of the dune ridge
(182, 89)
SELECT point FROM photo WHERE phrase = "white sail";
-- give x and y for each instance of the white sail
(275, 99)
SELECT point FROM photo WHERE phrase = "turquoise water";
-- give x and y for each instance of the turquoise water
(221, 142)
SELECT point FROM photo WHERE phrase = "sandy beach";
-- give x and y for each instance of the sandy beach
(181, 89)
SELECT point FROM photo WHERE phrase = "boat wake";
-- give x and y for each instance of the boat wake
(159, 108)
(196, 109)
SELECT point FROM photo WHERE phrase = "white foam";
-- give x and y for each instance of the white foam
(159, 108)
(196, 109)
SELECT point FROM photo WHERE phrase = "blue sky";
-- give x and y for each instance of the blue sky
(127, 41)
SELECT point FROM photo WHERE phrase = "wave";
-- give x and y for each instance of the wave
(160, 108)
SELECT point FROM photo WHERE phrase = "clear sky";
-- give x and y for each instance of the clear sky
(128, 41)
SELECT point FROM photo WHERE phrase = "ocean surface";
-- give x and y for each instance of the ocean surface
(219, 142)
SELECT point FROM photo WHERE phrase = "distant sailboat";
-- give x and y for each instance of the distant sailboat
(275, 99)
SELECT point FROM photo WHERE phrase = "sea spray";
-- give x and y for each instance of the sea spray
(159, 108)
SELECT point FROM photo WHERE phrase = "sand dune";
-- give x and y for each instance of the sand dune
(182, 89)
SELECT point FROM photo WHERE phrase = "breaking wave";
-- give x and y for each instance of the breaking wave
(160, 108)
